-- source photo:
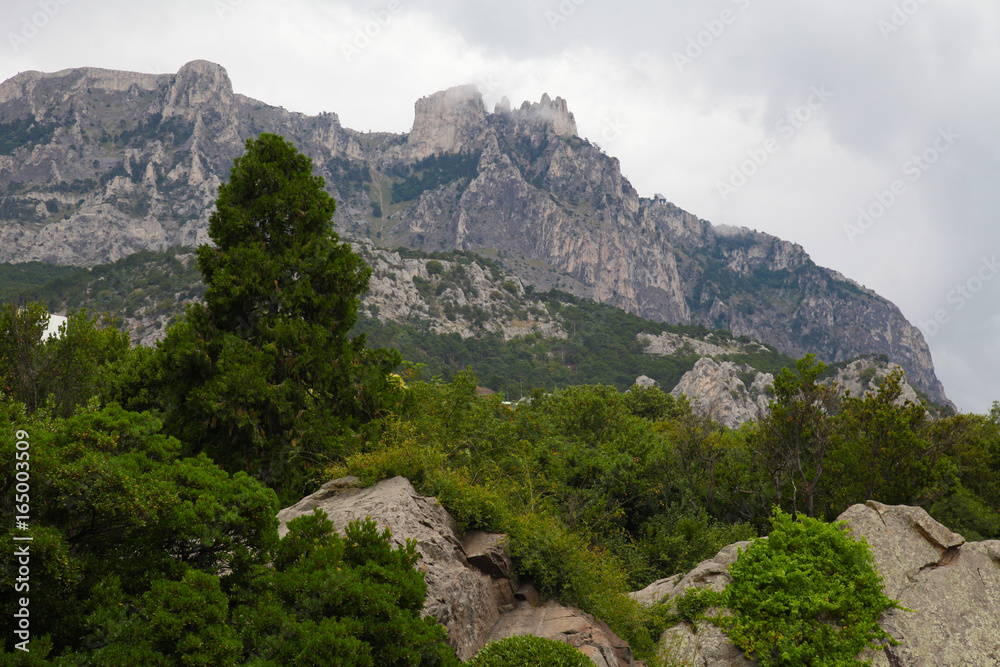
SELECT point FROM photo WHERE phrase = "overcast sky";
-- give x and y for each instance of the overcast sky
(787, 117)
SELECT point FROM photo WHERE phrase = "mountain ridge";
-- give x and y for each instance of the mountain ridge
(97, 164)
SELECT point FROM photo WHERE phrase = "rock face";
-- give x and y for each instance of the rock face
(725, 391)
(470, 586)
(447, 122)
(734, 394)
(96, 164)
(450, 297)
(560, 622)
(865, 375)
(952, 586)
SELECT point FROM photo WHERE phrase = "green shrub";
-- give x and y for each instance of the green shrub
(692, 605)
(528, 650)
(807, 595)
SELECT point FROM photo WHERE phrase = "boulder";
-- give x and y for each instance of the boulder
(553, 620)
(464, 598)
(470, 586)
(951, 586)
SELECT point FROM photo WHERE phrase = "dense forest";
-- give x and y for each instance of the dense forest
(148, 478)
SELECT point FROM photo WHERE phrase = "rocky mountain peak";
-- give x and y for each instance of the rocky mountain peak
(36, 86)
(555, 113)
(447, 122)
(97, 164)
(197, 85)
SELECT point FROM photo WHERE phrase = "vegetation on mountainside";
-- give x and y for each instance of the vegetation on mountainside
(18, 280)
(431, 172)
(601, 346)
(155, 473)
(145, 285)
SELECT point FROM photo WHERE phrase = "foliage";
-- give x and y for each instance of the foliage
(691, 606)
(351, 601)
(113, 510)
(808, 595)
(432, 172)
(63, 371)
(142, 557)
(17, 280)
(145, 284)
(263, 376)
(573, 478)
(523, 650)
(792, 441)
(881, 451)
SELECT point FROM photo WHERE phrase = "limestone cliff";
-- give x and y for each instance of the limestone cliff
(97, 164)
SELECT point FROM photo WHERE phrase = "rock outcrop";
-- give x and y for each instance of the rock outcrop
(951, 586)
(734, 394)
(864, 376)
(471, 589)
(563, 623)
(449, 121)
(466, 299)
(465, 599)
(96, 164)
(729, 393)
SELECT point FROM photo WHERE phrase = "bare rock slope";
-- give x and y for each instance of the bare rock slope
(97, 164)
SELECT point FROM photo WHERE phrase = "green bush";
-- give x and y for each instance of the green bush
(807, 595)
(528, 650)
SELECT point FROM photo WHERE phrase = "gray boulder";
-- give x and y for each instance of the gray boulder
(470, 585)
(553, 620)
(464, 598)
(951, 586)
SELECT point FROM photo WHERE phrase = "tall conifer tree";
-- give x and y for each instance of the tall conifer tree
(263, 376)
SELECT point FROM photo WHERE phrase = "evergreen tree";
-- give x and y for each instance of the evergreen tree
(263, 376)
(790, 444)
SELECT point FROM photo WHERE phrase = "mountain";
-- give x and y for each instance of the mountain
(96, 165)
